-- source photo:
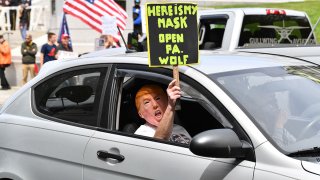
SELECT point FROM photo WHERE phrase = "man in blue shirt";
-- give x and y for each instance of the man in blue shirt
(49, 50)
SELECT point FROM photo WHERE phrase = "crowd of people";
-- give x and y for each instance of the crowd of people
(29, 49)
(48, 51)
(23, 14)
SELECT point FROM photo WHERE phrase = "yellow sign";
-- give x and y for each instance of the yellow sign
(172, 34)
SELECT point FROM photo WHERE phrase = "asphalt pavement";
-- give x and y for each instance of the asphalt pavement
(5, 94)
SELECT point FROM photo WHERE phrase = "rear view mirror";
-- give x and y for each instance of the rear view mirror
(219, 143)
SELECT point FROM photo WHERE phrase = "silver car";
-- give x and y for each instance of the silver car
(250, 116)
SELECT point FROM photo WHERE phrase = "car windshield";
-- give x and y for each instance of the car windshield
(284, 102)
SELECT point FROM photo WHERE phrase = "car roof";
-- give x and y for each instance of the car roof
(210, 61)
(103, 52)
(227, 61)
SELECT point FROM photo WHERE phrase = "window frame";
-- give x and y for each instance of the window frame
(184, 78)
(100, 90)
(203, 22)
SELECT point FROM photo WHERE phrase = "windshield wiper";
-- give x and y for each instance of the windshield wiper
(306, 152)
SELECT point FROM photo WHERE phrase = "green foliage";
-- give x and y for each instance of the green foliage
(311, 7)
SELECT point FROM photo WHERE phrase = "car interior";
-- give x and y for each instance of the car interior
(280, 95)
(72, 99)
(192, 115)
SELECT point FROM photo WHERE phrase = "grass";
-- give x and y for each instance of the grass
(311, 7)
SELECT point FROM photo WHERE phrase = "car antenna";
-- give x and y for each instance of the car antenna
(125, 44)
(313, 28)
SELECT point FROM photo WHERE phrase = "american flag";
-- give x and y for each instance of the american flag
(91, 11)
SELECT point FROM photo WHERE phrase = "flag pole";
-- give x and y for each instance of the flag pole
(125, 44)
(64, 29)
(61, 26)
(176, 74)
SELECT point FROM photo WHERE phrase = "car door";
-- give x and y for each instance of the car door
(133, 158)
(113, 153)
(48, 142)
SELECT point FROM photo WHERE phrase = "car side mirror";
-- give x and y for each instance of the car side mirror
(219, 143)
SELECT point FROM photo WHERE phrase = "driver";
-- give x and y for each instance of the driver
(157, 108)
(280, 134)
(271, 118)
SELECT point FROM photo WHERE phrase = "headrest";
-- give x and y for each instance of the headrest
(75, 94)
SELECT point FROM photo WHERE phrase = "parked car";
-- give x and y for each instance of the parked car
(251, 116)
(255, 28)
(262, 30)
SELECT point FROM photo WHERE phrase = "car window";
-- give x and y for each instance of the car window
(271, 30)
(196, 114)
(71, 96)
(211, 31)
(288, 113)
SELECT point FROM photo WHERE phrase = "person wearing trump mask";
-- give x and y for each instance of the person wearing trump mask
(157, 108)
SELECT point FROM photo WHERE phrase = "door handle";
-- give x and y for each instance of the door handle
(104, 155)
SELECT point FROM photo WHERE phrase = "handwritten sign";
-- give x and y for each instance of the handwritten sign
(67, 55)
(109, 25)
(99, 44)
(172, 34)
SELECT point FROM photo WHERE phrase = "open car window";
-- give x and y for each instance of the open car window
(197, 113)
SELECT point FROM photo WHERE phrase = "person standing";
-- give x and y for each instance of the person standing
(24, 20)
(65, 45)
(5, 3)
(5, 61)
(137, 27)
(49, 50)
(109, 41)
(13, 13)
(28, 50)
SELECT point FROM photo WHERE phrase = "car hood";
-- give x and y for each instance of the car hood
(311, 164)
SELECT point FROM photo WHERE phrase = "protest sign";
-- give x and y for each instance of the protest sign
(67, 55)
(172, 34)
(99, 44)
(109, 25)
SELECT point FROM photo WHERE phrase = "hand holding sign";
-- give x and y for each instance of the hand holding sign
(174, 93)
(172, 36)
